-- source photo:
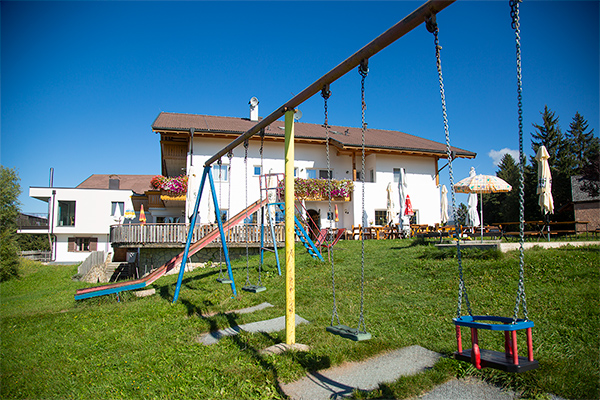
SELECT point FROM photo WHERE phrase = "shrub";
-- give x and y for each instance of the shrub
(9, 260)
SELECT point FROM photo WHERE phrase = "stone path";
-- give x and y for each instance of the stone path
(270, 325)
(340, 381)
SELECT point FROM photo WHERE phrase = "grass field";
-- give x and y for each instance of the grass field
(55, 348)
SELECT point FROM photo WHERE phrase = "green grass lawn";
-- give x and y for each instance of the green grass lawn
(55, 348)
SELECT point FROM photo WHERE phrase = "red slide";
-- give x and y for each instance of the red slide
(175, 262)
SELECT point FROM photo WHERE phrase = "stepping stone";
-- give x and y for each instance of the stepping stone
(340, 381)
(270, 325)
(145, 293)
(247, 310)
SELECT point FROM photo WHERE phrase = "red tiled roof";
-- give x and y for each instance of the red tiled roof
(346, 136)
(138, 183)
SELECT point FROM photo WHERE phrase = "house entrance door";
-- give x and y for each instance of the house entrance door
(314, 223)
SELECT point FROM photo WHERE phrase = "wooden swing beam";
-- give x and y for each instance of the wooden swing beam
(388, 37)
(394, 33)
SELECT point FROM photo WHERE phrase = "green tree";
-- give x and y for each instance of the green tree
(10, 189)
(582, 144)
(504, 207)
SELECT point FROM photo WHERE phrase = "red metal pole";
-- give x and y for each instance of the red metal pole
(458, 339)
(514, 347)
(529, 345)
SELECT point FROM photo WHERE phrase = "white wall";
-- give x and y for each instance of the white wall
(92, 216)
(420, 177)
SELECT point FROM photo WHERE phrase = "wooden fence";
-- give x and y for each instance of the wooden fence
(36, 255)
(95, 258)
(177, 233)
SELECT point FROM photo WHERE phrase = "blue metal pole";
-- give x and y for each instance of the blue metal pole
(190, 234)
(222, 232)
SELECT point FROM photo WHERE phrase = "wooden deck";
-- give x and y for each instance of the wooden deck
(167, 235)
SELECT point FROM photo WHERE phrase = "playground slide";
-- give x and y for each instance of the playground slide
(175, 262)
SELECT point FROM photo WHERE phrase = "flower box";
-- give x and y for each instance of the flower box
(320, 189)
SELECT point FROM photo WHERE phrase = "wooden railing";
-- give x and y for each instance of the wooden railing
(177, 233)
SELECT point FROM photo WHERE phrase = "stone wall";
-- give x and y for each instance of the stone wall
(154, 258)
(587, 211)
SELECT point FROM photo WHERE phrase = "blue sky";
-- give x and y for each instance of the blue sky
(82, 82)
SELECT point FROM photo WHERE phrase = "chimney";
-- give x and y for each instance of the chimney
(253, 109)
(114, 182)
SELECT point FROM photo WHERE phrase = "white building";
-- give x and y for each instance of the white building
(80, 218)
(83, 219)
(387, 152)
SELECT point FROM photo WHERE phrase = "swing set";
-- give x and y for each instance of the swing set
(509, 360)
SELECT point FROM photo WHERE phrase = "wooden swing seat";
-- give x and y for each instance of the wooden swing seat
(509, 360)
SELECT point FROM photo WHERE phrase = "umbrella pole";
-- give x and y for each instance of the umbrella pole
(481, 222)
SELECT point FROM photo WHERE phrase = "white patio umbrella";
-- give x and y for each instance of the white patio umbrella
(444, 205)
(390, 204)
(544, 189)
(402, 191)
(482, 184)
(129, 211)
(117, 213)
(272, 194)
(211, 209)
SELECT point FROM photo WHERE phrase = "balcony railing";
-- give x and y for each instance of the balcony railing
(177, 233)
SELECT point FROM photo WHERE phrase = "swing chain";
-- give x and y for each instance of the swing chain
(363, 70)
(432, 27)
(326, 93)
(514, 13)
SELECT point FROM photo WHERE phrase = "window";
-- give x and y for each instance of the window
(117, 205)
(224, 214)
(66, 213)
(296, 172)
(320, 173)
(371, 175)
(257, 170)
(219, 173)
(323, 174)
(252, 219)
(414, 219)
(396, 175)
(82, 244)
(380, 217)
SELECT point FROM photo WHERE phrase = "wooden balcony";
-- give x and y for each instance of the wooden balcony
(175, 235)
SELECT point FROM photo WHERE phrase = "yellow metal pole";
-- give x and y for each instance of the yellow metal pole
(290, 261)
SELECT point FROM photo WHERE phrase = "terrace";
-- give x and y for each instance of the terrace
(175, 235)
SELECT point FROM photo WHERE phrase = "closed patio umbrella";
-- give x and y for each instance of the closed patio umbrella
(390, 204)
(444, 205)
(142, 215)
(544, 189)
(402, 193)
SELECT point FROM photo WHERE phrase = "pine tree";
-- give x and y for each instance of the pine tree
(504, 207)
(548, 134)
(582, 143)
